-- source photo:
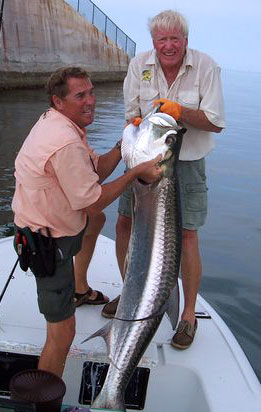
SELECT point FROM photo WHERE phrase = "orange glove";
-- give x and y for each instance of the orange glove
(136, 121)
(174, 109)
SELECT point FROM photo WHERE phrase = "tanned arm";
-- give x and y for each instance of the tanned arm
(108, 162)
(198, 119)
(148, 171)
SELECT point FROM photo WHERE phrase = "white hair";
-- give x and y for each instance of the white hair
(167, 20)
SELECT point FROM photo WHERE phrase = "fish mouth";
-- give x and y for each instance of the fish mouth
(168, 156)
(167, 163)
(170, 142)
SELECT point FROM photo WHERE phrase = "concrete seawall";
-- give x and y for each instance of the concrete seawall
(39, 36)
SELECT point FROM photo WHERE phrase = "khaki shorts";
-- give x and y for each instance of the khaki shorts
(56, 293)
(193, 193)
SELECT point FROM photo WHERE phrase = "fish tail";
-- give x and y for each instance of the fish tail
(172, 310)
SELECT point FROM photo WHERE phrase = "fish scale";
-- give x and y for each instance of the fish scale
(153, 259)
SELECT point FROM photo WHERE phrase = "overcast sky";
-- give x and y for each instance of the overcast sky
(228, 30)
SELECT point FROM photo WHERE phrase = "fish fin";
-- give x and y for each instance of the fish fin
(173, 307)
(103, 332)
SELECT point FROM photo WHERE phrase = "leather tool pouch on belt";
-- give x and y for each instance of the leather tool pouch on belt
(35, 251)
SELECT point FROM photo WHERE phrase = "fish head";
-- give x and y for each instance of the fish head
(155, 135)
(173, 141)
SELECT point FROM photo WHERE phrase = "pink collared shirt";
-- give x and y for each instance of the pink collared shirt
(55, 177)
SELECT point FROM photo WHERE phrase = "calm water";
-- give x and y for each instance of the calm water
(231, 238)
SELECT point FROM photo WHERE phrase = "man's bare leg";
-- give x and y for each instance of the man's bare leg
(58, 341)
(191, 273)
(84, 256)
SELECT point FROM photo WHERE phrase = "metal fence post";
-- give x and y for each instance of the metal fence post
(93, 13)
(105, 28)
(1, 13)
(126, 44)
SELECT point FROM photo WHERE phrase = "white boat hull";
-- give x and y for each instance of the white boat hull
(213, 375)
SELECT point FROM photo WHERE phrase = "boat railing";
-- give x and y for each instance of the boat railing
(103, 23)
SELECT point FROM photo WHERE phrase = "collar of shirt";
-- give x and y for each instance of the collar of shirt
(81, 132)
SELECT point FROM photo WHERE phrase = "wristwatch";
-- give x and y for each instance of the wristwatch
(118, 145)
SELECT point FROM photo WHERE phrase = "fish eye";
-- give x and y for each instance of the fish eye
(170, 139)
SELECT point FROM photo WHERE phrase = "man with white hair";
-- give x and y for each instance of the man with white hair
(187, 84)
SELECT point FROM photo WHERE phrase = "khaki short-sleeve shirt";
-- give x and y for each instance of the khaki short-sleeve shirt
(197, 86)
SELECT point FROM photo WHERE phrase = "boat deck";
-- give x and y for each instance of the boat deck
(213, 375)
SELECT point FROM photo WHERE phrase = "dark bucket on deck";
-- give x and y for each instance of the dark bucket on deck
(45, 389)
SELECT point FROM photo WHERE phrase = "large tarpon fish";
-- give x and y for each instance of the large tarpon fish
(153, 258)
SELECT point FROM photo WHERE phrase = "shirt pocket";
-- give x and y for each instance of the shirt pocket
(189, 99)
(196, 197)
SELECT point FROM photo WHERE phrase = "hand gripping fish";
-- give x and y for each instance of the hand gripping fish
(153, 260)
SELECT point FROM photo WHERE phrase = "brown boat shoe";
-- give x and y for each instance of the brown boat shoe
(110, 308)
(184, 336)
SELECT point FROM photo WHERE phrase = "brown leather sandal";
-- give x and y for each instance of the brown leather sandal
(84, 298)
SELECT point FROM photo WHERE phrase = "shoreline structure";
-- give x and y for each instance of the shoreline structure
(37, 37)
